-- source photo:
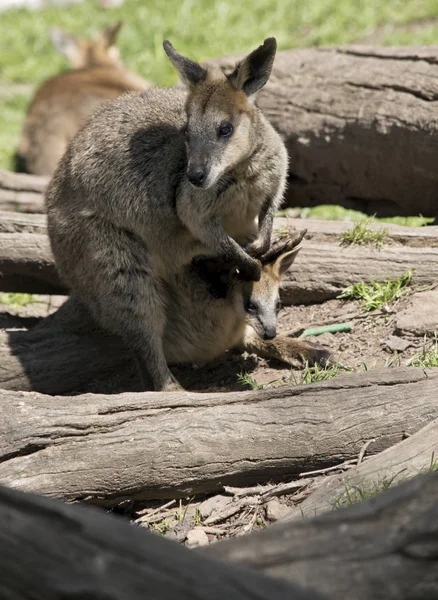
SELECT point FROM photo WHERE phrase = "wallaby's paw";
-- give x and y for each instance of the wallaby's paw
(251, 270)
(173, 386)
(316, 354)
(257, 248)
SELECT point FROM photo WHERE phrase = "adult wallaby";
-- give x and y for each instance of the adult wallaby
(64, 102)
(157, 178)
(210, 310)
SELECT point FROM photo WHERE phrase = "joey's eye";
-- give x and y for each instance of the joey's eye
(225, 130)
(278, 306)
(250, 307)
(185, 130)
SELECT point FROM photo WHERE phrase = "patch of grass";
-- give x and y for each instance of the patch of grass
(246, 379)
(16, 300)
(362, 234)
(354, 494)
(378, 294)
(427, 358)
(317, 373)
(333, 212)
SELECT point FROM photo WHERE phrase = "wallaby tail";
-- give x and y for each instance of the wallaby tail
(19, 164)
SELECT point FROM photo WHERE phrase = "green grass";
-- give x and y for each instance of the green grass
(427, 358)
(333, 212)
(16, 300)
(200, 29)
(309, 374)
(378, 294)
(362, 234)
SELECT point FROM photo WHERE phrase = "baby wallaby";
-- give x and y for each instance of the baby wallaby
(157, 178)
(210, 310)
(65, 101)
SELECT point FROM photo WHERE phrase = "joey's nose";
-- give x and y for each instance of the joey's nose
(196, 175)
(269, 333)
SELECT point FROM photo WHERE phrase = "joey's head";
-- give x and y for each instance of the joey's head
(262, 299)
(100, 51)
(222, 120)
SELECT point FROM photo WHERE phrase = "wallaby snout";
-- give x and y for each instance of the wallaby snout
(270, 332)
(197, 174)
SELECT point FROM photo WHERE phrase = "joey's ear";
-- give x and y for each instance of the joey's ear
(284, 261)
(109, 35)
(253, 72)
(190, 72)
(67, 44)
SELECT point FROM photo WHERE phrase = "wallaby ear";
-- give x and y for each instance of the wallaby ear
(284, 261)
(253, 72)
(66, 43)
(190, 72)
(109, 35)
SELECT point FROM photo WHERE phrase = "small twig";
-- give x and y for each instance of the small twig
(343, 466)
(363, 450)
(160, 509)
(285, 488)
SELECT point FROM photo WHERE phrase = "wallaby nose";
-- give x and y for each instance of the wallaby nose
(196, 175)
(269, 333)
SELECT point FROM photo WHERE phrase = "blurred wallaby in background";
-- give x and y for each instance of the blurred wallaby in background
(157, 178)
(64, 102)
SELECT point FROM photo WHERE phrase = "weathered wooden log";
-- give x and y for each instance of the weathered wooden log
(56, 550)
(359, 124)
(105, 448)
(20, 192)
(382, 549)
(324, 268)
(417, 454)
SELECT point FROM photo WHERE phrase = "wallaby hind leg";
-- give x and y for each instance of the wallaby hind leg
(285, 349)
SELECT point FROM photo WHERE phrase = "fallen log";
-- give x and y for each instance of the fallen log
(417, 454)
(55, 550)
(106, 448)
(21, 192)
(323, 270)
(381, 549)
(359, 124)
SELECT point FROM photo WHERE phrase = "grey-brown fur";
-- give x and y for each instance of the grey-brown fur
(63, 103)
(124, 220)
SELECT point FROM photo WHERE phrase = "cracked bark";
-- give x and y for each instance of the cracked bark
(106, 448)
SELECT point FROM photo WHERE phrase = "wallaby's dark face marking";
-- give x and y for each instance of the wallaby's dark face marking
(220, 116)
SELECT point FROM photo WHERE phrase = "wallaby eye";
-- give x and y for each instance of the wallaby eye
(225, 130)
(185, 130)
(278, 306)
(251, 307)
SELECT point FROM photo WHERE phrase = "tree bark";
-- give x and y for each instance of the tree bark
(359, 124)
(417, 454)
(323, 270)
(106, 448)
(21, 192)
(382, 549)
(53, 550)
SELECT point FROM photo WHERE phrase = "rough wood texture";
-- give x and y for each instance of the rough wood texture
(359, 124)
(26, 264)
(416, 454)
(55, 551)
(156, 445)
(20, 192)
(382, 549)
(324, 267)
